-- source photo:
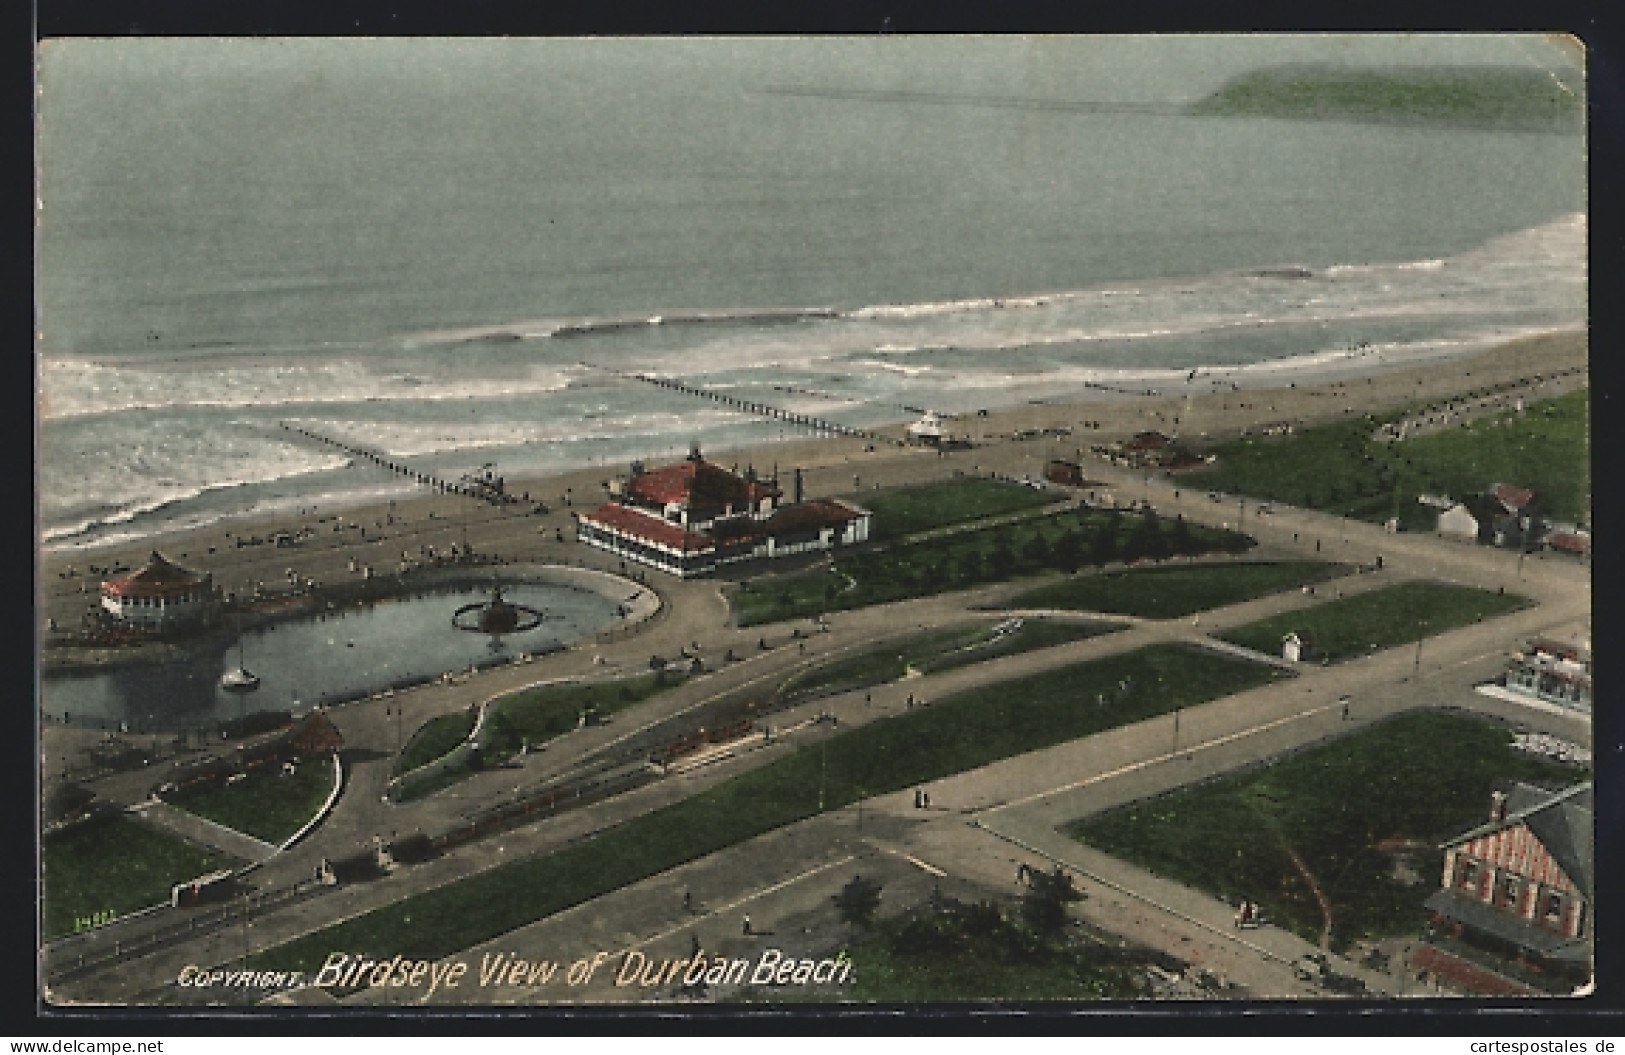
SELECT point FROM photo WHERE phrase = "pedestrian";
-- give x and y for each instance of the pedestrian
(868, 697)
(688, 901)
(925, 799)
(747, 930)
(1345, 710)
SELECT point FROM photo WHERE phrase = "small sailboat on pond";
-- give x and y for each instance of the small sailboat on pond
(239, 678)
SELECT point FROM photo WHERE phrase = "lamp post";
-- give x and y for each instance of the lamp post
(823, 772)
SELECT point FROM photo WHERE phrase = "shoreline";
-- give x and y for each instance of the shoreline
(1015, 440)
(1085, 387)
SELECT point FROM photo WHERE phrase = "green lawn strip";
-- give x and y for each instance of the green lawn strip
(267, 804)
(955, 734)
(883, 663)
(903, 512)
(109, 867)
(1166, 593)
(1031, 635)
(933, 651)
(925, 567)
(1342, 469)
(539, 714)
(1394, 615)
(436, 738)
(1422, 777)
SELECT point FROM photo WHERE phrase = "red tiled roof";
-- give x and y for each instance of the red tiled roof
(1148, 441)
(1563, 540)
(815, 514)
(699, 485)
(157, 578)
(1513, 497)
(648, 527)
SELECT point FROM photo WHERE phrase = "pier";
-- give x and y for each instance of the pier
(488, 490)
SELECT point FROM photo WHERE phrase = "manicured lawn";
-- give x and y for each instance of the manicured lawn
(1395, 615)
(1341, 469)
(1166, 593)
(1421, 777)
(903, 512)
(924, 567)
(266, 804)
(949, 736)
(435, 739)
(111, 867)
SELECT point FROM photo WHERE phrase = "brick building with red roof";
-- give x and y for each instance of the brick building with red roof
(160, 596)
(689, 518)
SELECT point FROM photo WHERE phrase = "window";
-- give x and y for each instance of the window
(1554, 908)
(1509, 890)
(1469, 874)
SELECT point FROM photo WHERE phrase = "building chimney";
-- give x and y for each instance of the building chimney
(798, 486)
(1498, 807)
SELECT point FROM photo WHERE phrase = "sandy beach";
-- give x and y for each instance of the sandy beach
(378, 535)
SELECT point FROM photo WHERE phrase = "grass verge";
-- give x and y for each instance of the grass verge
(953, 735)
(1394, 615)
(934, 650)
(109, 867)
(911, 509)
(435, 739)
(267, 804)
(1365, 814)
(1166, 593)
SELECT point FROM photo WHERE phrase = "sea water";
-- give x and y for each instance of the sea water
(453, 251)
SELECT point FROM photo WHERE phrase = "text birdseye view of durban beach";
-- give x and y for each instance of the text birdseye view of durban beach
(812, 521)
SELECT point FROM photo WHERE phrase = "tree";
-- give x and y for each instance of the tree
(1149, 539)
(1037, 550)
(1182, 540)
(1043, 906)
(858, 901)
(1068, 551)
(1103, 547)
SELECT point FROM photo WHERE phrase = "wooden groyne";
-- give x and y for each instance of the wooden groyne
(750, 406)
(484, 490)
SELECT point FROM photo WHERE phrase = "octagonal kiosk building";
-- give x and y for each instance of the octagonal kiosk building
(160, 597)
